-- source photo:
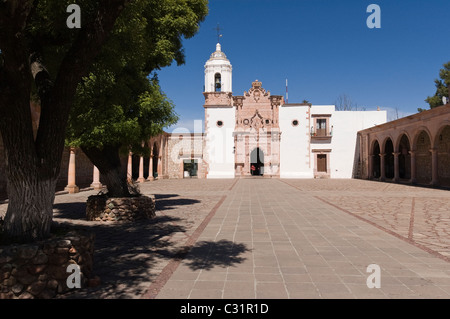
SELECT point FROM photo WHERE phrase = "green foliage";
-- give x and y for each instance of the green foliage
(117, 103)
(442, 86)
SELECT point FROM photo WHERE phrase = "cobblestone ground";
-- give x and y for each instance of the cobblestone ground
(421, 215)
(270, 238)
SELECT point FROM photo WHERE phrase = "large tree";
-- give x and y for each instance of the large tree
(38, 50)
(104, 123)
(442, 88)
(117, 107)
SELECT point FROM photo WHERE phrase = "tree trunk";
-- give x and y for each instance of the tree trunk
(30, 210)
(31, 179)
(32, 165)
(108, 163)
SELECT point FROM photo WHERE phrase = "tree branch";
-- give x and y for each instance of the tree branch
(40, 75)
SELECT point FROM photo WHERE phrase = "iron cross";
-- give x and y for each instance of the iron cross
(218, 29)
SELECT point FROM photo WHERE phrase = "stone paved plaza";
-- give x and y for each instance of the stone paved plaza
(271, 238)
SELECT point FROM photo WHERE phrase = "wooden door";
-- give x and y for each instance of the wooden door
(322, 163)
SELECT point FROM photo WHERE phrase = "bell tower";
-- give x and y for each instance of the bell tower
(220, 116)
(218, 72)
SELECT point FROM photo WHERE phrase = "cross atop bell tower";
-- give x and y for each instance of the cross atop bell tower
(219, 35)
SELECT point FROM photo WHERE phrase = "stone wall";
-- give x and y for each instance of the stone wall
(423, 158)
(444, 156)
(184, 147)
(39, 270)
(102, 208)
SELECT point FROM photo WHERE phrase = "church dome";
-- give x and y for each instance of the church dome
(218, 54)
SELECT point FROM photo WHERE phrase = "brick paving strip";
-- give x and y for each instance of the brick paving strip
(411, 220)
(170, 268)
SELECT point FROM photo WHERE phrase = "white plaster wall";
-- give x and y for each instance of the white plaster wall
(218, 66)
(220, 142)
(346, 125)
(322, 109)
(295, 160)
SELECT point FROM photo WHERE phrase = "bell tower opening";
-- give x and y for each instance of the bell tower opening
(217, 82)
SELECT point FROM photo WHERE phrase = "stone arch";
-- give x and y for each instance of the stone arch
(402, 134)
(416, 134)
(442, 145)
(376, 160)
(403, 147)
(442, 126)
(422, 145)
(383, 143)
(388, 151)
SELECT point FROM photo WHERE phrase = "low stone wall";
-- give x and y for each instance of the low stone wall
(39, 270)
(102, 208)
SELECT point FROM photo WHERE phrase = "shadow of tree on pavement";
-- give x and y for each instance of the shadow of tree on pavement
(170, 201)
(208, 254)
(126, 256)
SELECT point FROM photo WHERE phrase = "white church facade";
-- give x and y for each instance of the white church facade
(258, 134)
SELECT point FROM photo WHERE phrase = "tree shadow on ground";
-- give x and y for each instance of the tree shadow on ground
(164, 196)
(129, 255)
(75, 210)
(208, 254)
(126, 255)
(169, 201)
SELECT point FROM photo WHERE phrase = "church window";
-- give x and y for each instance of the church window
(246, 121)
(219, 123)
(267, 122)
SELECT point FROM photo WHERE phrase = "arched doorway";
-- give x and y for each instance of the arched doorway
(155, 160)
(443, 149)
(423, 158)
(404, 158)
(376, 164)
(389, 158)
(257, 162)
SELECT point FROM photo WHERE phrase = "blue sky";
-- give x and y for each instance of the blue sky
(323, 47)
